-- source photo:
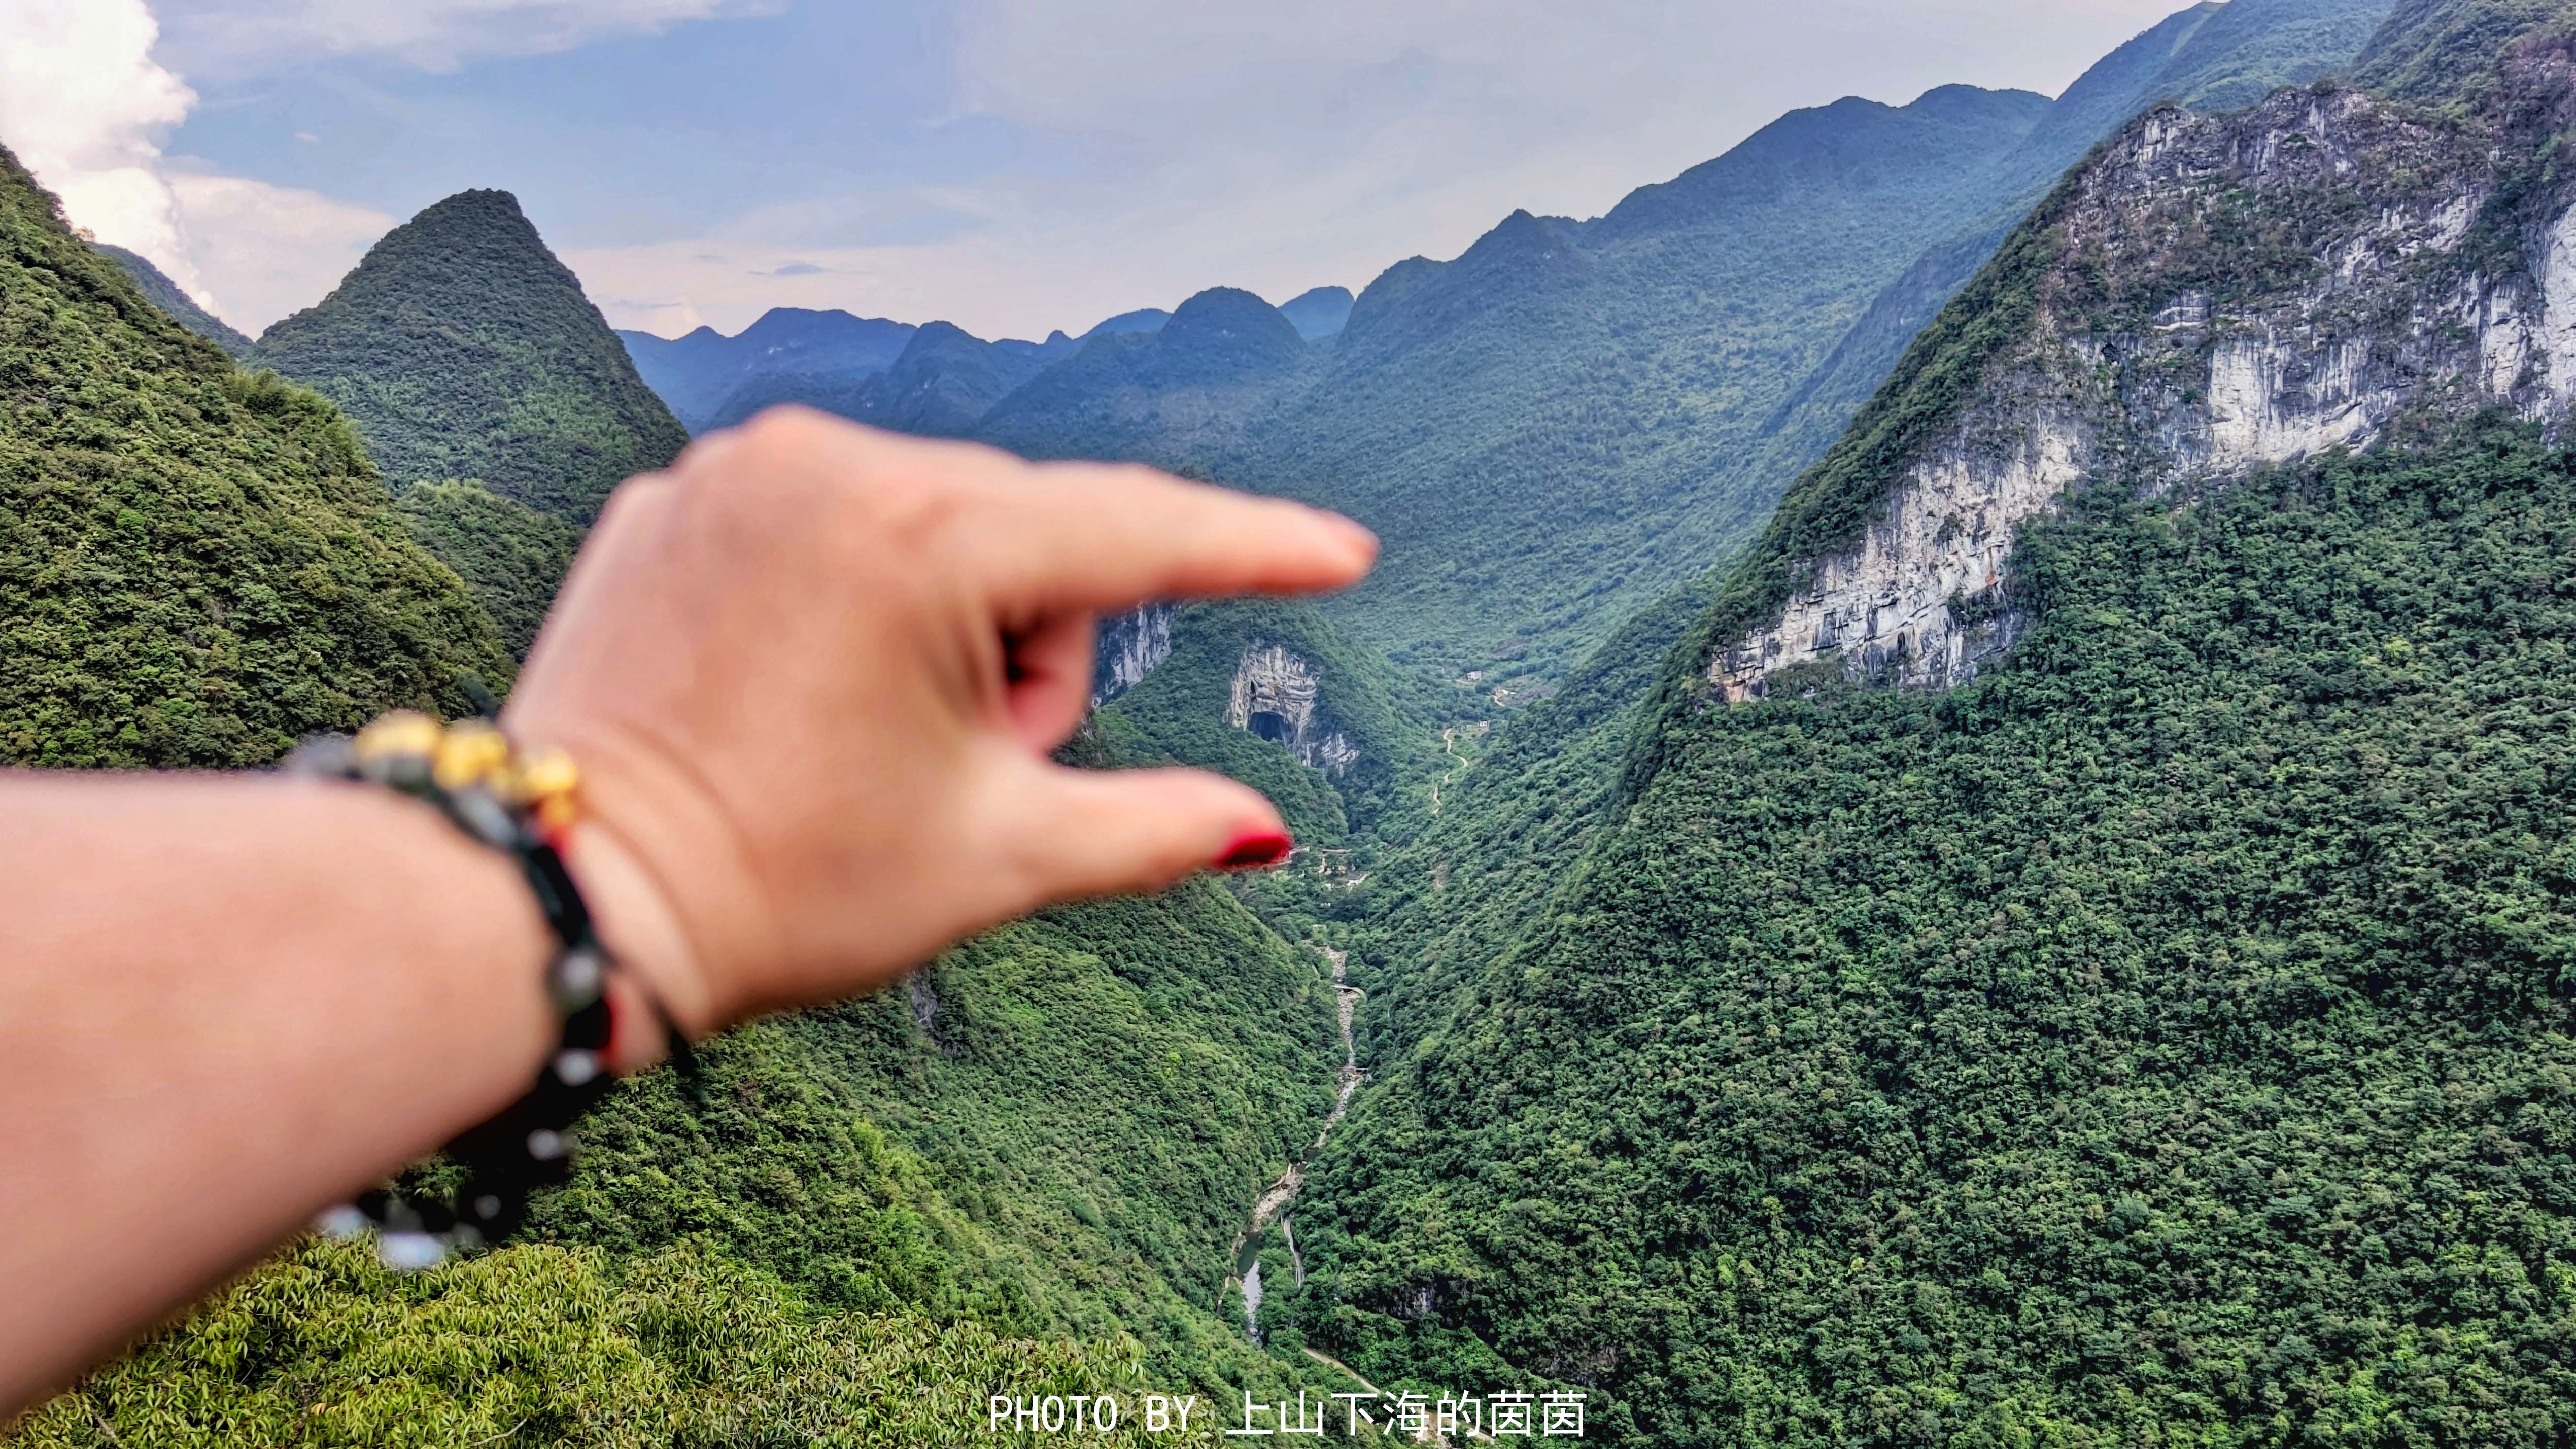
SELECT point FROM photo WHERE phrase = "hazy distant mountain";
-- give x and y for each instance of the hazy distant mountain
(1144, 319)
(1319, 313)
(824, 359)
(1543, 429)
(943, 381)
(695, 374)
(1190, 385)
(167, 296)
(1563, 423)
(462, 348)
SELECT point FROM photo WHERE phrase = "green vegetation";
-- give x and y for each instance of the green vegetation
(197, 565)
(2443, 53)
(2248, 49)
(1826, 510)
(1055, 1128)
(1180, 395)
(1512, 825)
(1180, 712)
(511, 557)
(554, 1345)
(163, 293)
(2166, 1037)
(1571, 419)
(462, 349)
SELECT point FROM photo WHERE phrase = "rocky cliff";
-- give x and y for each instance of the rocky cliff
(2208, 296)
(1277, 695)
(1130, 645)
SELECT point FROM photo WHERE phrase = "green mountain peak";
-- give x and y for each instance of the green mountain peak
(462, 348)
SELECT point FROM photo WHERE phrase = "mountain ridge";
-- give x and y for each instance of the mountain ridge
(171, 298)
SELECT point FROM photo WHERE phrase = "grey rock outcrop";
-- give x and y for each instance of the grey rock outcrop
(2217, 295)
(1277, 695)
(1130, 645)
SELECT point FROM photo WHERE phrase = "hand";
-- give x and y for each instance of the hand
(812, 675)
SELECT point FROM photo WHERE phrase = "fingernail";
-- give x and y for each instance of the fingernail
(1252, 852)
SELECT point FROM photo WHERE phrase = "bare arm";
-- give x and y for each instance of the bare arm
(811, 675)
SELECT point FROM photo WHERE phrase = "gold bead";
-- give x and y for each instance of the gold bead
(470, 753)
(557, 813)
(547, 775)
(402, 732)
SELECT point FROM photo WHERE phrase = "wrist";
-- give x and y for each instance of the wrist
(666, 875)
(659, 973)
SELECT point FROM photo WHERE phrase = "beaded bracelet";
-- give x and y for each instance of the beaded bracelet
(520, 805)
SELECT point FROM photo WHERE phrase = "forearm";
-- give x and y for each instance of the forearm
(227, 1003)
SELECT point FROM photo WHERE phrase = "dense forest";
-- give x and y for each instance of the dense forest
(2171, 1029)
(197, 564)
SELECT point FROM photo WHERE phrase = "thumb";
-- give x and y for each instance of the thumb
(1077, 833)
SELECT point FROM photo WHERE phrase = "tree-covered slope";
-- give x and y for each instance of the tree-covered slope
(1540, 429)
(2212, 57)
(1054, 1129)
(183, 309)
(2167, 1036)
(545, 1344)
(461, 348)
(197, 565)
(1183, 711)
(512, 557)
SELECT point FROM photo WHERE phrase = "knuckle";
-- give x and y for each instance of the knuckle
(913, 513)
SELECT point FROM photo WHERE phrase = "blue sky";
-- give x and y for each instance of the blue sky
(1013, 165)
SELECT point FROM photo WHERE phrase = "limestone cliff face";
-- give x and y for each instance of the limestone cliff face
(1277, 695)
(1130, 645)
(2208, 296)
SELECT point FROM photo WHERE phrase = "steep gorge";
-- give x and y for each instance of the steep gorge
(2151, 1022)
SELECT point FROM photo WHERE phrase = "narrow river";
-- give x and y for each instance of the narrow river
(1273, 1203)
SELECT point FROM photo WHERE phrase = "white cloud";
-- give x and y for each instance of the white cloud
(236, 35)
(270, 250)
(85, 108)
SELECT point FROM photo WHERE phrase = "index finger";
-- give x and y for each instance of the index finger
(1096, 537)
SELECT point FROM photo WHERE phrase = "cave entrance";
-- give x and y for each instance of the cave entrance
(1271, 726)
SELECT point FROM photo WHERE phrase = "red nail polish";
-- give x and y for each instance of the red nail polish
(1268, 847)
